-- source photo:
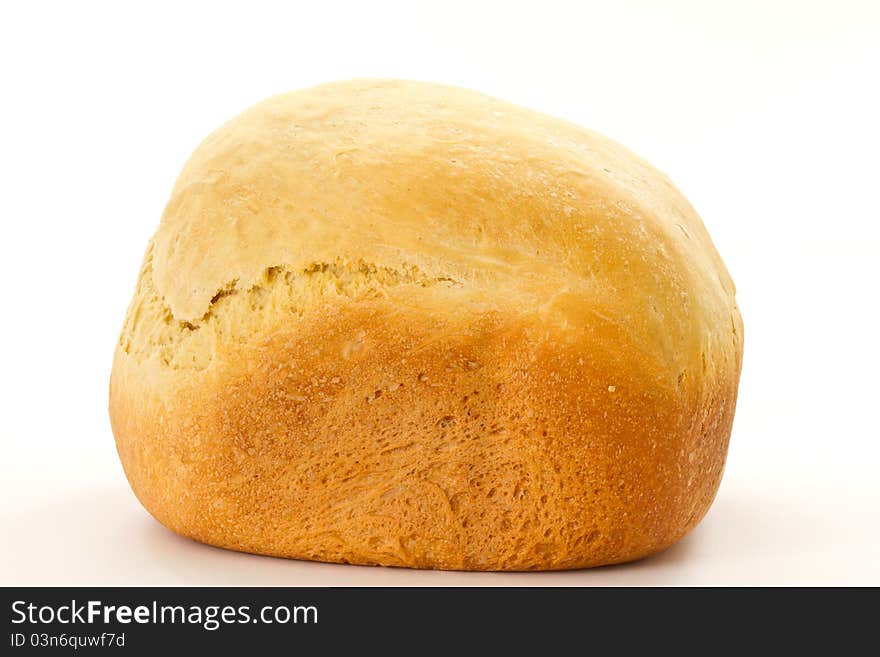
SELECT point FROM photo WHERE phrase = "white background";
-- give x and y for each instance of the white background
(765, 113)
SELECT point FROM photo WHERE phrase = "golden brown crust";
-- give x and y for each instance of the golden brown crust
(435, 393)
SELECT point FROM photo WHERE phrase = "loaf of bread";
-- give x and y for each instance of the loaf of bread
(398, 323)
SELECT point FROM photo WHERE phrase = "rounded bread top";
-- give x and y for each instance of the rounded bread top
(524, 212)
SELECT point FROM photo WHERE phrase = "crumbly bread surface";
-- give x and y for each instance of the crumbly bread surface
(397, 323)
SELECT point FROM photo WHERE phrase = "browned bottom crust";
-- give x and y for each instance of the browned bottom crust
(362, 436)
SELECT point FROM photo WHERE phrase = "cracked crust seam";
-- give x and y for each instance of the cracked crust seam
(237, 314)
